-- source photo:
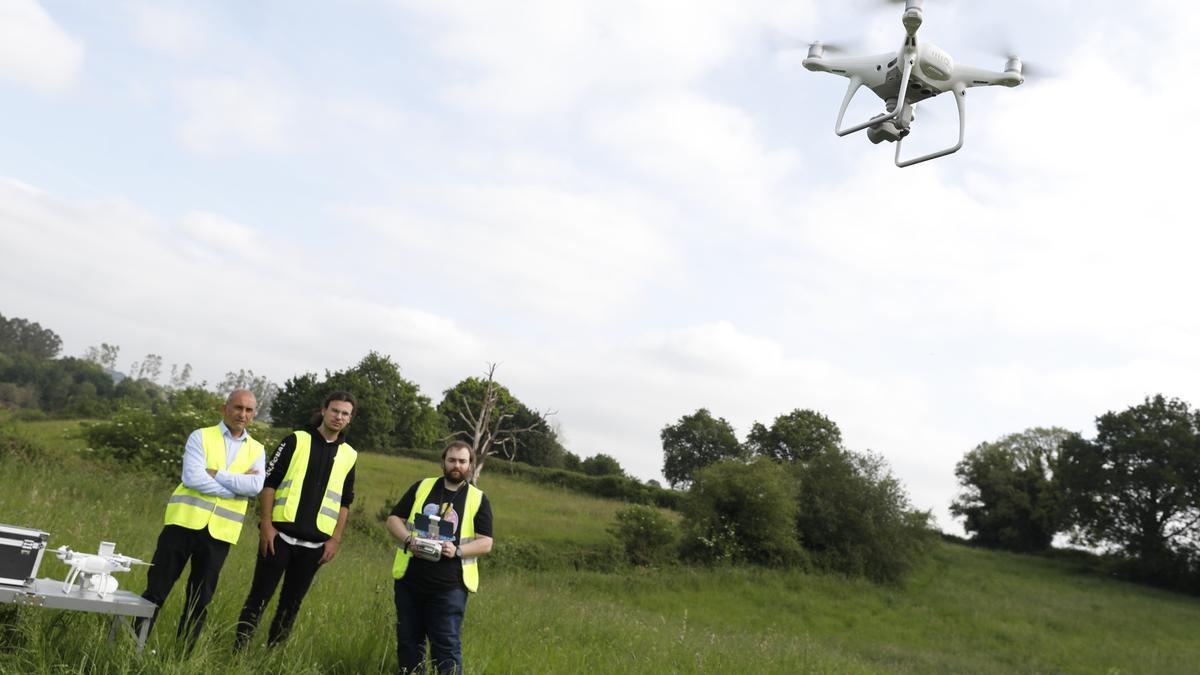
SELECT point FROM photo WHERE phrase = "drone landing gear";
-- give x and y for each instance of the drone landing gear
(960, 93)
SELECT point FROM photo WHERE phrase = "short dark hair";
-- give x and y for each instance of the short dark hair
(339, 395)
(452, 445)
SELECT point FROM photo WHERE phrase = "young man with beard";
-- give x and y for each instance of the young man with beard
(431, 596)
(304, 504)
(222, 471)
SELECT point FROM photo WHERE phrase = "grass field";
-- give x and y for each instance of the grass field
(966, 611)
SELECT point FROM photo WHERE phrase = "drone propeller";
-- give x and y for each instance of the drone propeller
(780, 42)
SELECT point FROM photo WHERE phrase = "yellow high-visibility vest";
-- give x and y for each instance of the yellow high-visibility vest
(466, 532)
(287, 495)
(222, 516)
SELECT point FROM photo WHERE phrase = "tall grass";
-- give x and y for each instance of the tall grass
(967, 611)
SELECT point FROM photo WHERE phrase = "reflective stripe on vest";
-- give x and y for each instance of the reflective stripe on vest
(466, 533)
(287, 495)
(223, 516)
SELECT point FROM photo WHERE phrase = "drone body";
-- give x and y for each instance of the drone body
(904, 78)
(95, 568)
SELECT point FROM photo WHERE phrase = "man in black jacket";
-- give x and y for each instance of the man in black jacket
(304, 504)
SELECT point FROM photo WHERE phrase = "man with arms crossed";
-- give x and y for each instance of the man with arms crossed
(304, 505)
(431, 597)
(222, 469)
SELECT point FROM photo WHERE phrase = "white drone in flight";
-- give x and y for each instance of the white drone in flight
(96, 568)
(905, 78)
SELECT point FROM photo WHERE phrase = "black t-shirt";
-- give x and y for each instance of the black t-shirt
(316, 480)
(446, 573)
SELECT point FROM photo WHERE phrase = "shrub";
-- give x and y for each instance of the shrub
(742, 512)
(147, 440)
(645, 534)
(14, 445)
(855, 518)
(152, 439)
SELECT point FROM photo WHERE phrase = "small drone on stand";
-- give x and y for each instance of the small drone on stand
(96, 568)
(905, 78)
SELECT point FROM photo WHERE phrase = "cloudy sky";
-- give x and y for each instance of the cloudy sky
(637, 208)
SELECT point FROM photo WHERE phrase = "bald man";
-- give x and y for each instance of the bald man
(223, 468)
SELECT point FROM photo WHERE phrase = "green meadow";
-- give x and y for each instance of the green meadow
(555, 599)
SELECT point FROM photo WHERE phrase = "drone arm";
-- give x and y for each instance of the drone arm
(971, 76)
(855, 83)
(960, 99)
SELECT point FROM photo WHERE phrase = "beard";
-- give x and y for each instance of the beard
(454, 475)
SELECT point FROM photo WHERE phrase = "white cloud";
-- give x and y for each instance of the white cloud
(109, 271)
(34, 50)
(548, 54)
(173, 28)
(225, 236)
(227, 114)
(528, 248)
(712, 154)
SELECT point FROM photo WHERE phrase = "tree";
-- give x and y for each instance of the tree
(694, 442)
(537, 443)
(181, 378)
(1010, 497)
(297, 401)
(104, 356)
(1136, 487)
(485, 415)
(263, 389)
(21, 336)
(742, 512)
(602, 465)
(855, 518)
(390, 413)
(572, 462)
(147, 369)
(797, 436)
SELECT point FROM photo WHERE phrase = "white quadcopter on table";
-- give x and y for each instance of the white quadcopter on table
(96, 568)
(905, 78)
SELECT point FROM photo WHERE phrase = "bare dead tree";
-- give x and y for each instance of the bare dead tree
(489, 430)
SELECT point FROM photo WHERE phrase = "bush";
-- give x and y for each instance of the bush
(742, 512)
(145, 440)
(855, 518)
(645, 534)
(14, 445)
(152, 439)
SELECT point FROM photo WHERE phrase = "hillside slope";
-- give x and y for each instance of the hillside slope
(966, 611)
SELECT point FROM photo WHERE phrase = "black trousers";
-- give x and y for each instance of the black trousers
(177, 545)
(296, 565)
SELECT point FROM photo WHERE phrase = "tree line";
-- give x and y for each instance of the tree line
(1132, 491)
(392, 414)
(790, 495)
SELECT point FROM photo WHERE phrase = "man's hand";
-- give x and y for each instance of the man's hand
(331, 549)
(448, 549)
(266, 539)
(211, 472)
